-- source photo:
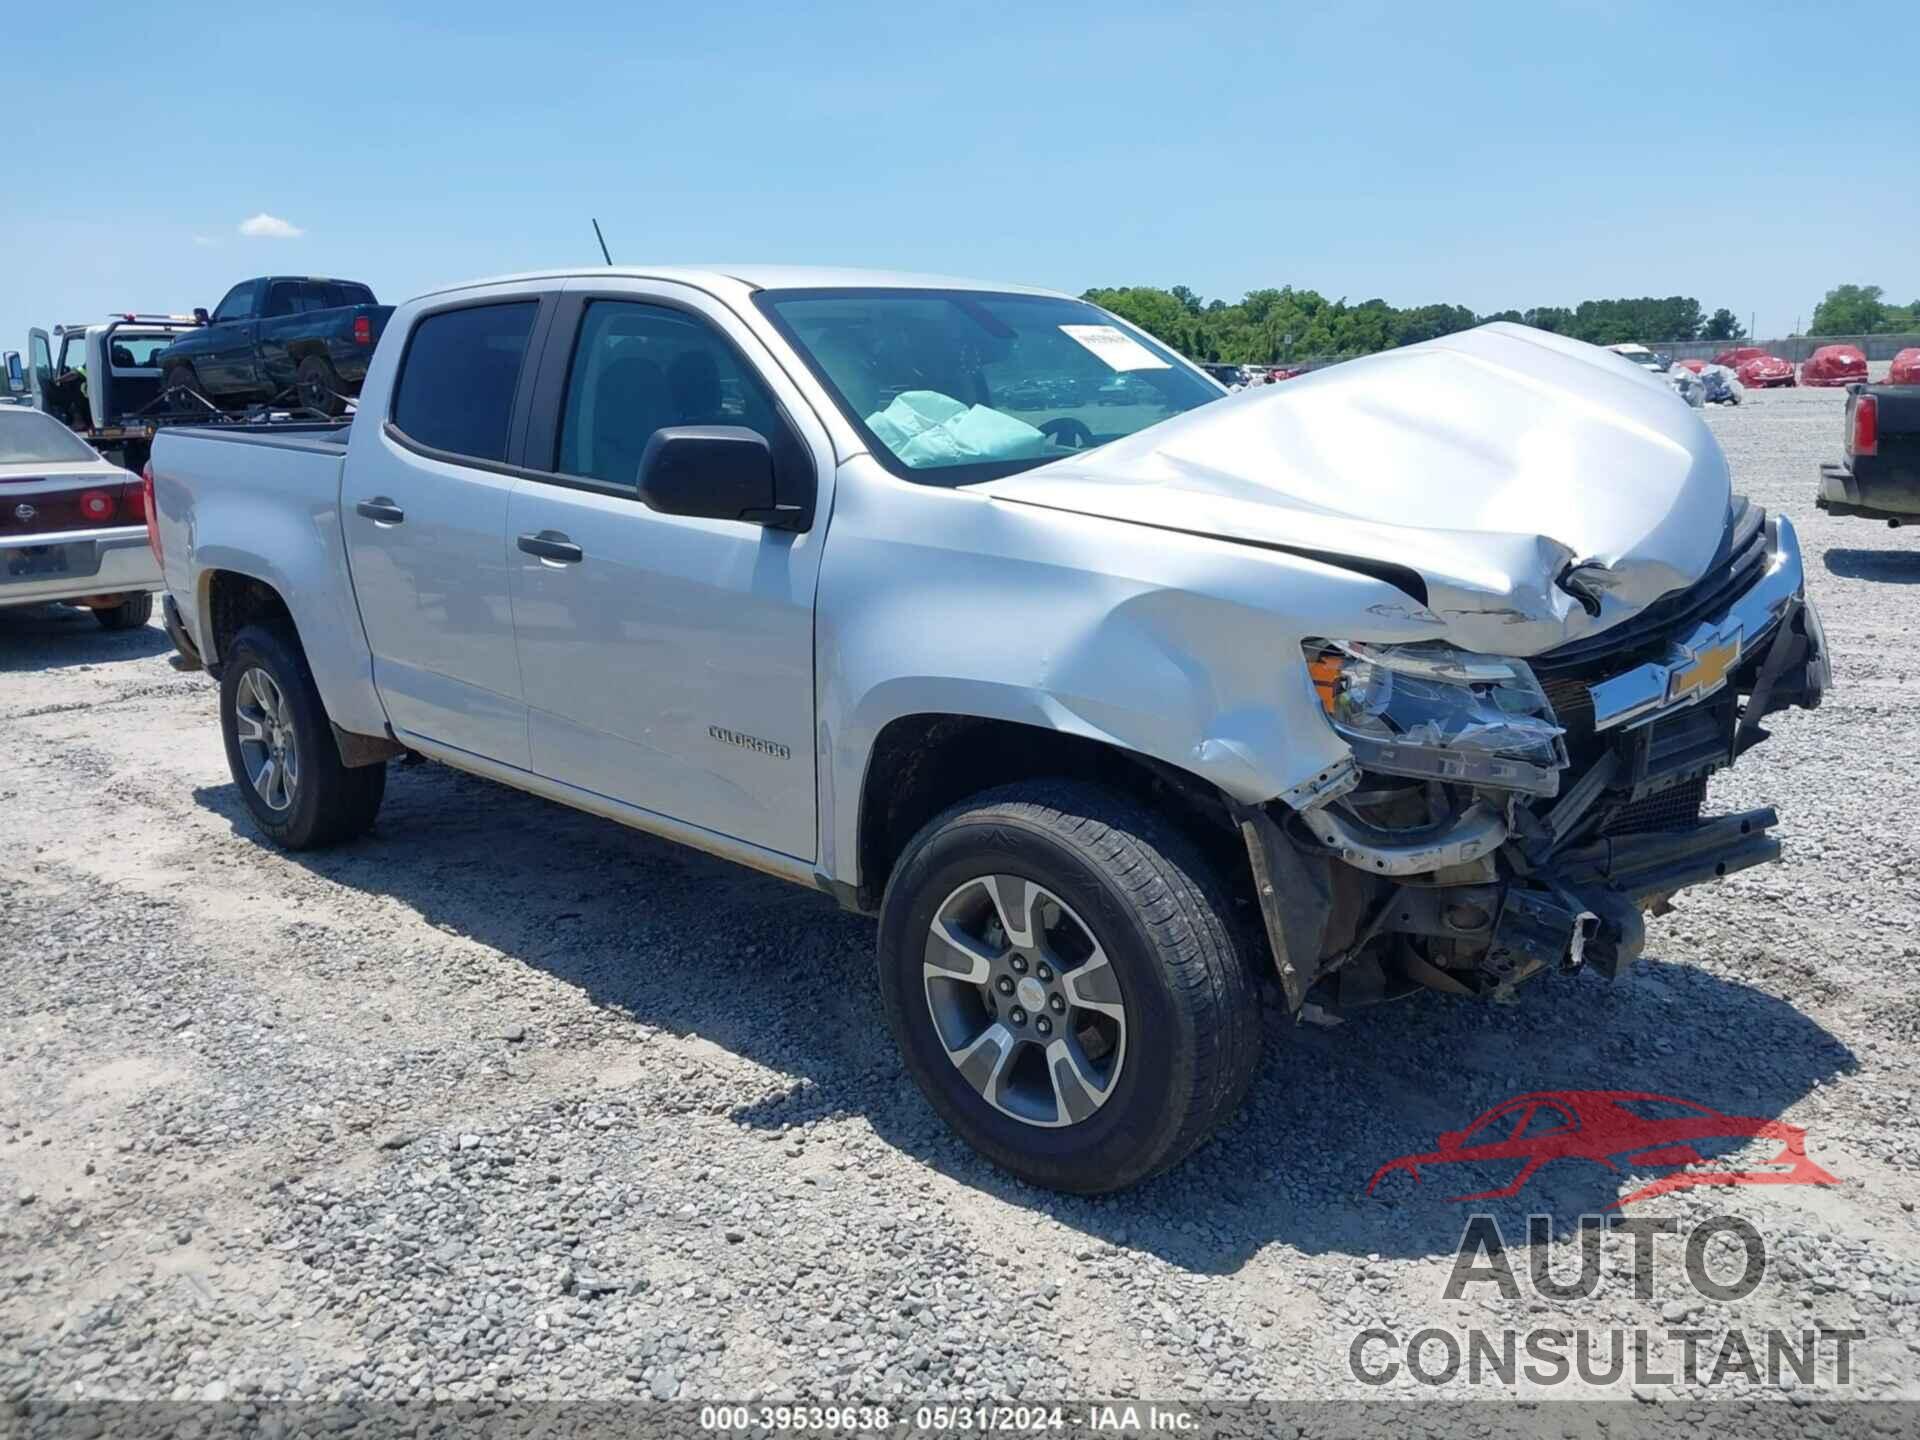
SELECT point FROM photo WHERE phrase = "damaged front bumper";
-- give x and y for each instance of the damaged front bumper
(1476, 888)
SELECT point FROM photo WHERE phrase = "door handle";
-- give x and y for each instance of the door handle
(552, 545)
(381, 511)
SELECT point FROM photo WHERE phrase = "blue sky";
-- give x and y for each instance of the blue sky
(1488, 155)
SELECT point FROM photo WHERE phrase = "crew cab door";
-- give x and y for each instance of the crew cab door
(668, 660)
(424, 504)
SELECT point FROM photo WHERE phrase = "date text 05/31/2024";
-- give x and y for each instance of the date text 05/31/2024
(1120, 1418)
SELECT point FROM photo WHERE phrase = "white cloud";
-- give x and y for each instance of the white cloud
(269, 227)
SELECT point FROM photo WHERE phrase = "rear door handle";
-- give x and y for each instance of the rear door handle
(552, 545)
(381, 511)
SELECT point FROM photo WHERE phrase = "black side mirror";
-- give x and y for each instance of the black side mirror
(200, 316)
(712, 472)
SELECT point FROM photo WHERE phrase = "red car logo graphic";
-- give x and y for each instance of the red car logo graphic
(1620, 1129)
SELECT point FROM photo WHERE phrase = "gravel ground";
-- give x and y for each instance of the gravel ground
(505, 1100)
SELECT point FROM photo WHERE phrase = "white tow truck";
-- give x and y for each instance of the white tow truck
(100, 379)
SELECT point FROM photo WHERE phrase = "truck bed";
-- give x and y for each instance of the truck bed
(273, 492)
(1886, 484)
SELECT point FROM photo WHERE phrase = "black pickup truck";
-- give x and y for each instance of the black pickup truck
(1878, 476)
(280, 338)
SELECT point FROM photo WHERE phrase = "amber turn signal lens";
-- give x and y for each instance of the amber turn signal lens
(1325, 670)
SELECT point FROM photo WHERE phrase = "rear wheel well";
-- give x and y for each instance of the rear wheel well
(921, 764)
(235, 601)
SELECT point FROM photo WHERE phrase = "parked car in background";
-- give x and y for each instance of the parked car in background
(1764, 372)
(1878, 474)
(73, 526)
(1282, 372)
(1719, 385)
(1234, 377)
(278, 339)
(1696, 366)
(1061, 697)
(1739, 354)
(1905, 369)
(1641, 356)
(1834, 365)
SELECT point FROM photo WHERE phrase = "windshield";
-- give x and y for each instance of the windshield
(32, 437)
(954, 386)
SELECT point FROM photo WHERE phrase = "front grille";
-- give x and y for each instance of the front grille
(1741, 561)
(1573, 708)
(1677, 808)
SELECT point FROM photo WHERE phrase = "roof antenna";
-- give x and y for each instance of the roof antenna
(603, 243)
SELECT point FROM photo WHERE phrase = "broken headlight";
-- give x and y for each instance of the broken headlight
(1438, 713)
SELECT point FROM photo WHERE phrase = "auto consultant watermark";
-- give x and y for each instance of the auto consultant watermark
(1717, 1261)
(1721, 1259)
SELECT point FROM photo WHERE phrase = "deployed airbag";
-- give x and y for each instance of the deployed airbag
(925, 428)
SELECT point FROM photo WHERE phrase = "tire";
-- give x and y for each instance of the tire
(182, 377)
(131, 613)
(324, 802)
(319, 386)
(1172, 1039)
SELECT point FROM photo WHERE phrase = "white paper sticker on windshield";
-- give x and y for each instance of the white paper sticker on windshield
(1119, 350)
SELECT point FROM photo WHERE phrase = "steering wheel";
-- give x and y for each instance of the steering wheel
(1068, 432)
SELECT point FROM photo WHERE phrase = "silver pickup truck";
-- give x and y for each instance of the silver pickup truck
(1116, 697)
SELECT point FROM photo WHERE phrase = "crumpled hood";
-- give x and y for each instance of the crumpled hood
(1489, 462)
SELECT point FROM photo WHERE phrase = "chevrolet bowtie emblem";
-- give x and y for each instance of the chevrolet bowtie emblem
(1706, 671)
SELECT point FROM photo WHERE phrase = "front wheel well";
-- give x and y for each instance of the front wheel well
(921, 764)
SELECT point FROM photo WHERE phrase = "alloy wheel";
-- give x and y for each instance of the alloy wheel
(267, 744)
(1025, 1002)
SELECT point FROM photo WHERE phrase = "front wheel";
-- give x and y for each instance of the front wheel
(1059, 973)
(281, 750)
(181, 387)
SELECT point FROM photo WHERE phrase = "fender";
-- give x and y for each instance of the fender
(1182, 648)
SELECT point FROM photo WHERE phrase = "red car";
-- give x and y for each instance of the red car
(1905, 369)
(1834, 365)
(1696, 366)
(1619, 1129)
(1734, 358)
(1764, 370)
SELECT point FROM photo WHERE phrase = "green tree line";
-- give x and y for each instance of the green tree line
(1272, 326)
(1862, 310)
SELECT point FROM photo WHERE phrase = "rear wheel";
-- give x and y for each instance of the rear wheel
(319, 386)
(1058, 971)
(131, 613)
(281, 750)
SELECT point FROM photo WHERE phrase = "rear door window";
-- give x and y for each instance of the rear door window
(458, 378)
(333, 294)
